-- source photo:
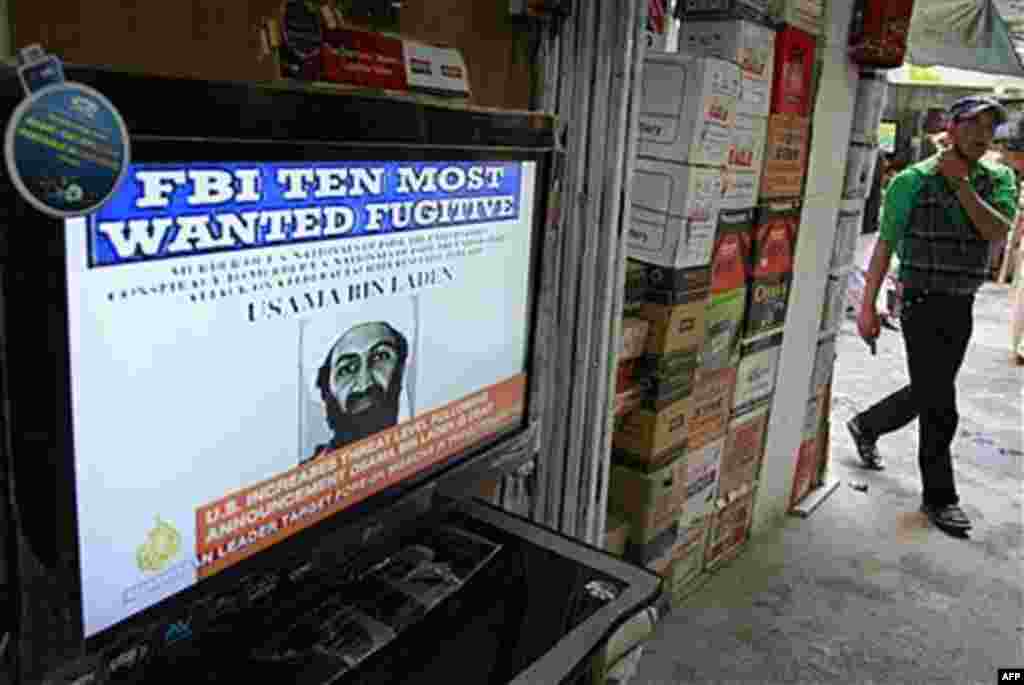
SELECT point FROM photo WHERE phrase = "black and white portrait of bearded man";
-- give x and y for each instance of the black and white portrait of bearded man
(359, 383)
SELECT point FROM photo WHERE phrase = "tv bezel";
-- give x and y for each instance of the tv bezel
(160, 136)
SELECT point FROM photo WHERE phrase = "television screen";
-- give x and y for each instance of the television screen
(255, 347)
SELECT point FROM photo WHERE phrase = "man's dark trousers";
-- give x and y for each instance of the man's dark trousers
(936, 331)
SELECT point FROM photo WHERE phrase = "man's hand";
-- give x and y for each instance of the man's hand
(869, 324)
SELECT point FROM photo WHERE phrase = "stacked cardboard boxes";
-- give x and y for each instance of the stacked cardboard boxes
(628, 391)
(752, 47)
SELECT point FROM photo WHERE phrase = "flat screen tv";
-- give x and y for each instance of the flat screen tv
(296, 310)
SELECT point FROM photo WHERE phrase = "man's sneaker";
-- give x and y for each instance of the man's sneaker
(866, 445)
(948, 517)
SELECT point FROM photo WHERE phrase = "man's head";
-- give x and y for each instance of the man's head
(360, 381)
(972, 125)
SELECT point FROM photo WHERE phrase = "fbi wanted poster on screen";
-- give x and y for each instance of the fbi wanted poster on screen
(256, 347)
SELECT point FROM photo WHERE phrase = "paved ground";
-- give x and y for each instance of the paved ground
(865, 591)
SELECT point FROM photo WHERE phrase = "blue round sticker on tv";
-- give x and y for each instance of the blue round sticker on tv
(67, 149)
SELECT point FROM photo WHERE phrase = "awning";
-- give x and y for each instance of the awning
(977, 35)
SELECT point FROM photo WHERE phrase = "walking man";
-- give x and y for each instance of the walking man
(940, 216)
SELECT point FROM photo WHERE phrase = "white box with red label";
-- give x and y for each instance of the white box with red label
(688, 109)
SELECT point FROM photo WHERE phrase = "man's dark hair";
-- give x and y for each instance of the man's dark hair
(335, 414)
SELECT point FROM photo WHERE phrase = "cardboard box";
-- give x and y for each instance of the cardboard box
(702, 471)
(860, 171)
(844, 249)
(807, 15)
(746, 152)
(749, 44)
(794, 67)
(688, 108)
(688, 556)
(744, 450)
(616, 532)
(625, 375)
(785, 156)
(668, 379)
(634, 338)
(676, 321)
(773, 238)
(824, 360)
(636, 282)
(673, 214)
(626, 401)
(679, 280)
(649, 439)
(754, 10)
(755, 377)
(730, 529)
(872, 89)
(731, 257)
(740, 189)
(710, 407)
(834, 308)
(806, 471)
(650, 502)
(723, 328)
(659, 547)
(767, 304)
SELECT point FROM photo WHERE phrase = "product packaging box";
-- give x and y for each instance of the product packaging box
(679, 280)
(824, 360)
(740, 189)
(616, 532)
(634, 338)
(435, 70)
(834, 308)
(625, 375)
(753, 10)
(363, 58)
(710, 407)
(767, 304)
(749, 135)
(627, 400)
(636, 287)
(676, 321)
(744, 449)
(749, 44)
(702, 471)
(724, 320)
(667, 379)
(860, 171)
(872, 89)
(755, 377)
(785, 156)
(774, 236)
(730, 529)
(673, 213)
(794, 66)
(649, 440)
(688, 556)
(806, 15)
(688, 108)
(806, 471)
(658, 547)
(844, 249)
(650, 502)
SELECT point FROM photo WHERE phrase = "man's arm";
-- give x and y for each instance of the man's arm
(877, 270)
(987, 220)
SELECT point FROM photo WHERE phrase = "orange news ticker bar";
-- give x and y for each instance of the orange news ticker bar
(362, 469)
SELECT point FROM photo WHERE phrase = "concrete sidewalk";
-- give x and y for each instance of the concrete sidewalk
(865, 590)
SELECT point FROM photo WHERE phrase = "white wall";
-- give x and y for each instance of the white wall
(833, 117)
